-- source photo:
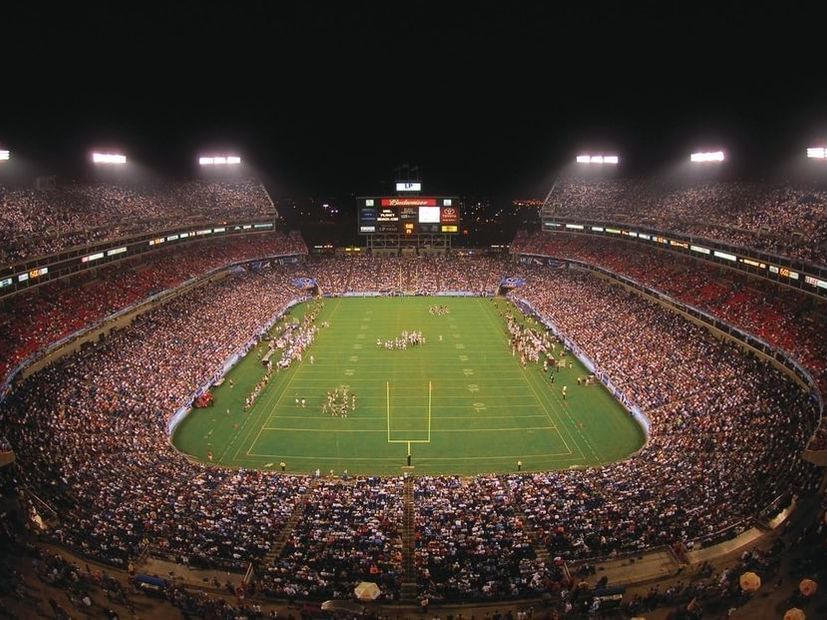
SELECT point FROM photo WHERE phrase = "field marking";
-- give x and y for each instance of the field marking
(560, 456)
(562, 404)
(568, 414)
(283, 387)
(380, 368)
(248, 419)
(326, 348)
(505, 400)
(284, 390)
(486, 310)
(523, 376)
(577, 428)
(408, 441)
(442, 417)
(381, 430)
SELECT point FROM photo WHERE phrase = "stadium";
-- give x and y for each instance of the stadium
(220, 399)
(196, 393)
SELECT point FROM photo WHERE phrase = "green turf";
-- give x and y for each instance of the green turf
(486, 411)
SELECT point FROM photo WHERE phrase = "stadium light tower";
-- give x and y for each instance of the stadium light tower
(108, 158)
(814, 152)
(598, 159)
(5, 155)
(707, 157)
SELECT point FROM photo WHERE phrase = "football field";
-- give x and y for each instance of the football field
(460, 403)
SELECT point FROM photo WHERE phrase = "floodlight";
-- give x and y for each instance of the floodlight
(5, 155)
(707, 157)
(220, 160)
(818, 152)
(108, 158)
(598, 159)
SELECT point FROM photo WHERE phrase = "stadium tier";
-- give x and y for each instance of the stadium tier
(35, 319)
(35, 223)
(782, 219)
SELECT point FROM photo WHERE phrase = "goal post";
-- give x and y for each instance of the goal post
(407, 440)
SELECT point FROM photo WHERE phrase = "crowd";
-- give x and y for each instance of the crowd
(34, 319)
(471, 543)
(91, 431)
(39, 222)
(788, 320)
(708, 592)
(726, 437)
(422, 275)
(91, 438)
(91, 592)
(349, 533)
(780, 218)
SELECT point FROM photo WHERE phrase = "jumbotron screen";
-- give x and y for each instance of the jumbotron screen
(408, 215)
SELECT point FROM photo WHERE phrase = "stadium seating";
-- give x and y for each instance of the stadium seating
(779, 218)
(35, 223)
(91, 436)
(790, 321)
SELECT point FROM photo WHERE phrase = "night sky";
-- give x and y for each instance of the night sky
(487, 98)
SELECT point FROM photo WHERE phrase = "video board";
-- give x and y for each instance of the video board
(408, 215)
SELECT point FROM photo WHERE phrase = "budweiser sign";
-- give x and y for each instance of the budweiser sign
(408, 202)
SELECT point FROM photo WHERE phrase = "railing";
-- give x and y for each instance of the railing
(32, 273)
(43, 504)
(148, 232)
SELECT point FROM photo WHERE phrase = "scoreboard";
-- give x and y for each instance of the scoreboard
(408, 215)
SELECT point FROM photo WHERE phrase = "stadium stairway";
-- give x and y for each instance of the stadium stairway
(298, 510)
(539, 548)
(410, 591)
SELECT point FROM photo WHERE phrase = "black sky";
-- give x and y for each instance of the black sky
(486, 97)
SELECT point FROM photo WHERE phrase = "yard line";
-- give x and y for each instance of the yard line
(382, 430)
(487, 311)
(284, 390)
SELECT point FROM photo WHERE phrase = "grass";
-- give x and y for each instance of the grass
(464, 403)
